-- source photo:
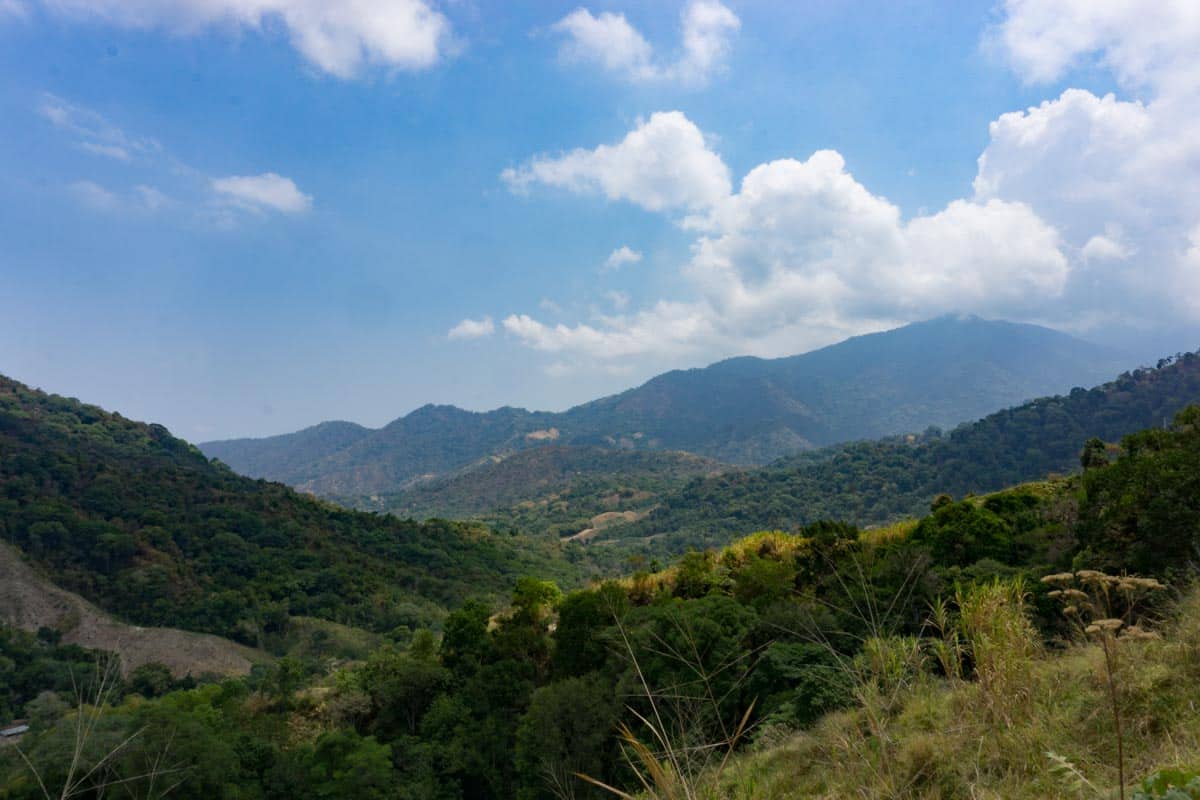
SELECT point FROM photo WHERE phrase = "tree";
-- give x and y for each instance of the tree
(568, 729)
(1095, 454)
(149, 680)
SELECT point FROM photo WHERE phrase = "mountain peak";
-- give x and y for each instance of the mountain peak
(744, 410)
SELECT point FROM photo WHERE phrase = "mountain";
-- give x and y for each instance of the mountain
(143, 525)
(740, 411)
(879, 481)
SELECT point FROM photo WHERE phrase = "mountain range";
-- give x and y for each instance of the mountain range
(741, 411)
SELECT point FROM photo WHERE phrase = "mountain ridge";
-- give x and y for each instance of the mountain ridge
(743, 410)
(875, 482)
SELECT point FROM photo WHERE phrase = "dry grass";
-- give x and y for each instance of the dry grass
(889, 534)
(1037, 727)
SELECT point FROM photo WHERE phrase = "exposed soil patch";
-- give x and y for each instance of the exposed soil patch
(605, 520)
(30, 601)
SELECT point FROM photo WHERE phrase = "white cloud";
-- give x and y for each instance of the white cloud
(93, 132)
(340, 37)
(1103, 247)
(1144, 44)
(106, 150)
(662, 164)
(609, 41)
(1084, 212)
(803, 253)
(140, 199)
(472, 329)
(620, 257)
(1114, 176)
(266, 191)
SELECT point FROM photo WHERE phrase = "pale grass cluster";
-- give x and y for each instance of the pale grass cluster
(1023, 723)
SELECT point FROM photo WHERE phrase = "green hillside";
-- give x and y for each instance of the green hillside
(740, 411)
(933, 659)
(145, 526)
(556, 489)
(875, 482)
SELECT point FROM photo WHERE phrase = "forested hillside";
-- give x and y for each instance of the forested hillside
(740, 411)
(874, 482)
(556, 489)
(851, 660)
(145, 526)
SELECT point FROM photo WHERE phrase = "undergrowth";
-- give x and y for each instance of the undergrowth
(1007, 720)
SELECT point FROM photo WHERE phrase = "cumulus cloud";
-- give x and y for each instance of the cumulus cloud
(620, 257)
(609, 41)
(340, 38)
(1113, 175)
(263, 192)
(1144, 44)
(803, 253)
(472, 329)
(662, 164)
(1083, 211)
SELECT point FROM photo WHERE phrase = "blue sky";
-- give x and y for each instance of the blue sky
(241, 217)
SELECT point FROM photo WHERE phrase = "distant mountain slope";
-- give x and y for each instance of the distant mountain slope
(940, 373)
(145, 526)
(554, 489)
(294, 454)
(740, 411)
(874, 482)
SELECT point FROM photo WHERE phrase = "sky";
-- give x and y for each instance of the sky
(243, 217)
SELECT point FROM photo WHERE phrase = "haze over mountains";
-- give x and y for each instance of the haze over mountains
(742, 411)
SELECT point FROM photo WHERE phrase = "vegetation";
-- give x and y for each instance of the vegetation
(951, 737)
(928, 659)
(554, 490)
(145, 526)
(877, 482)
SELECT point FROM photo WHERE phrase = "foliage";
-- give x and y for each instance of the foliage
(923, 660)
(880, 481)
(144, 525)
(1169, 785)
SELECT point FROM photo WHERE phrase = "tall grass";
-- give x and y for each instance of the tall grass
(948, 737)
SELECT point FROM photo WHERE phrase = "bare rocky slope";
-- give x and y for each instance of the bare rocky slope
(29, 601)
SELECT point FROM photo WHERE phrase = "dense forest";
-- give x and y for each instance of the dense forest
(722, 651)
(876, 482)
(145, 526)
